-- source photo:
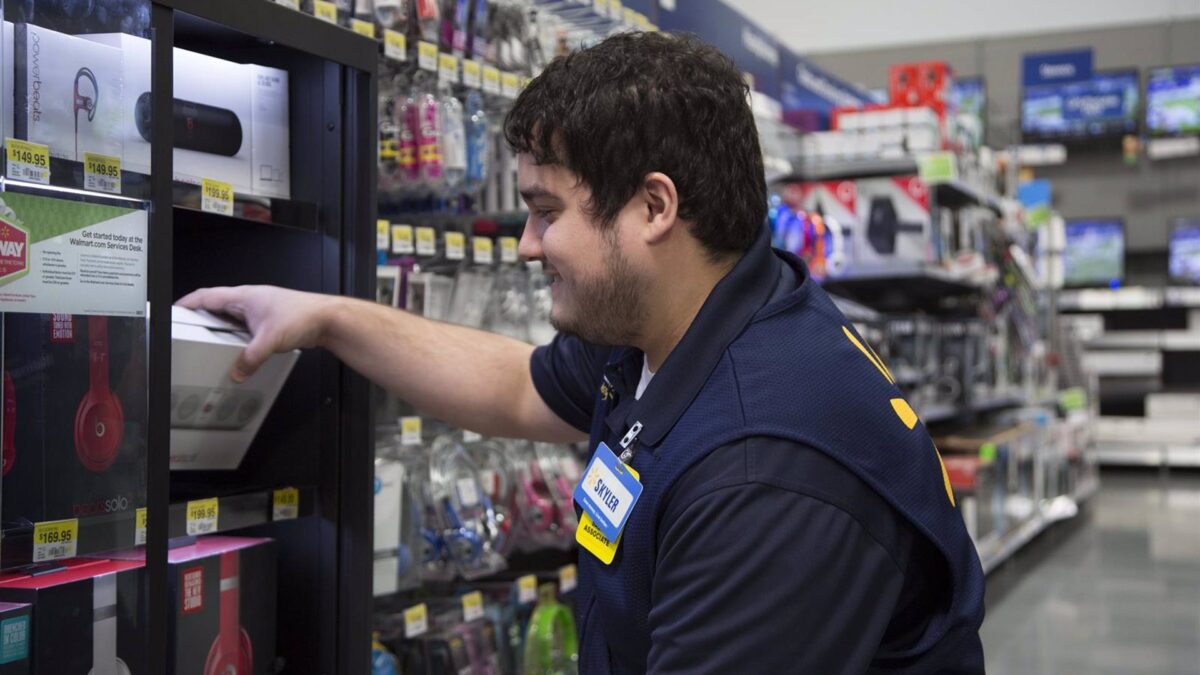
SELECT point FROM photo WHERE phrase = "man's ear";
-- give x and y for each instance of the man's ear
(661, 206)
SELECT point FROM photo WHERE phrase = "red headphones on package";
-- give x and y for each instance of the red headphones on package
(100, 420)
(10, 423)
(232, 653)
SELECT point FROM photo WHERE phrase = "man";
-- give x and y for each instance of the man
(794, 515)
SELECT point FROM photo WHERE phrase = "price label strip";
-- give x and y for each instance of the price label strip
(395, 45)
(448, 68)
(456, 246)
(202, 516)
(410, 430)
(416, 621)
(216, 197)
(472, 604)
(101, 173)
(363, 28)
(527, 589)
(28, 161)
(402, 240)
(55, 540)
(508, 249)
(325, 11)
(285, 504)
(427, 56)
(491, 80)
(426, 241)
(483, 250)
(472, 74)
(139, 527)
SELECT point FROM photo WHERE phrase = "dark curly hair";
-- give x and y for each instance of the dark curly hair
(642, 102)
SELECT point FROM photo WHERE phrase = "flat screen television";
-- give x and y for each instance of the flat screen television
(1173, 100)
(1183, 252)
(1105, 106)
(1095, 252)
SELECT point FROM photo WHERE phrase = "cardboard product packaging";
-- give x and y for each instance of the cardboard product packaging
(389, 496)
(223, 604)
(16, 631)
(271, 151)
(85, 617)
(903, 87)
(836, 202)
(67, 93)
(894, 222)
(6, 80)
(75, 423)
(214, 420)
(135, 70)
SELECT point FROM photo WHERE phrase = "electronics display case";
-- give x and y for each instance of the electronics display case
(126, 185)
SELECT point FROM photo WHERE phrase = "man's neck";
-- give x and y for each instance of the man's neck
(677, 308)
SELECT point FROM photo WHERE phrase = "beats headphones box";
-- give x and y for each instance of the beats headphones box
(16, 631)
(86, 618)
(269, 115)
(214, 419)
(894, 222)
(67, 93)
(223, 598)
(74, 422)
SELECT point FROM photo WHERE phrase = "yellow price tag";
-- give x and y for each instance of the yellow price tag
(416, 621)
(139, 527)
(456, 245)
(402, 239)
(527, 589)
(448, 68)
(472, 605)
(509, 85)
(285, 504)
(325, 11)
(482, 247)
(508, 249)
(491, 80)
(410, 430)
(382, 229)
(55, 540)
(568, 578)
(363, 28)
(593, 540)
(216, 197)
(395, 45)
(472, 74)
(427, 56)
(28, 161)
(202, 516)
(426, 241)
(101, 173)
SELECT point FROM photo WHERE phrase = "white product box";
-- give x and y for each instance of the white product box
(224, 86)
(850, 121)
(67, 93)
(916, 117)
(922, 139)
(270, 136)
(1123, 363)
(894, 222)
(891, 117)
(1174, 406)
(135, 70)
(6, 80)
(214, 420)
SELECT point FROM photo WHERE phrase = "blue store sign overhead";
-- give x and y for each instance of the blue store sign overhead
(752, 49)
(1057, 67)
(810, 94)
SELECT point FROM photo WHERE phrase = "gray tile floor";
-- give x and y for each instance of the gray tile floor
(1117, 592)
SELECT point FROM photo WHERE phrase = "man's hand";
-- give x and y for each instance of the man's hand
(279, 319)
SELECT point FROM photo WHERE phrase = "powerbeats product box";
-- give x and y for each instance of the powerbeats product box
(214, 419)
(269, 116)
(74, 402)
(223, 596)
(86, 618)
(135, 71)
(894, 222)
(16, 632)
(68, 93)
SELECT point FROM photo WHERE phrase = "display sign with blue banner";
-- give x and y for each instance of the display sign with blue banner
(1057, 67)
(753, 50)
(810, 94)
(1106, 105)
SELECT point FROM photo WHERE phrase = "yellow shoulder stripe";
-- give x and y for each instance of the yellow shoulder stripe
(870, 356)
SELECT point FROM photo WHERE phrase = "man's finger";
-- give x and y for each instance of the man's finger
(219, 300)
(251, 359)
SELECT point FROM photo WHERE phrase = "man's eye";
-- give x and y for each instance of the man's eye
(544, 214)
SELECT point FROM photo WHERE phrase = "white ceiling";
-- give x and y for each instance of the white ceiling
(846, 25)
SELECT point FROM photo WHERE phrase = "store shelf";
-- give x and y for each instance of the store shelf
(956, 194)
(267, 210)
(1130, 454)
(850, 169)
(939, 412)
(111, 532)
(1132, 298)
(897, 288)
(994, 551)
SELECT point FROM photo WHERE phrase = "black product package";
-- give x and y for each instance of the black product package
(78, 422)
(85, 618)
(15, 634)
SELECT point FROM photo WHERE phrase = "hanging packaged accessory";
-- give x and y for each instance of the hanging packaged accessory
(382, 661)
(100, 420)
(551, 645)
(429, 141)
(454, 141)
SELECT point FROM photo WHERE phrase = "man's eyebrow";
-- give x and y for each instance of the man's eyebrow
(533, 192)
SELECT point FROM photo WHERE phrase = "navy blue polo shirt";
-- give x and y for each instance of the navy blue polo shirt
(771, 556)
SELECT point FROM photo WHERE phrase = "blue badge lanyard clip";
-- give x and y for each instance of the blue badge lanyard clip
(627, 446)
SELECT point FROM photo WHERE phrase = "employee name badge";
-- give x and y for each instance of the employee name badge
(593, 541)
(607, 493)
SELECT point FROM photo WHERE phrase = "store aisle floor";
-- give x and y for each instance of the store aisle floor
(1120, 593)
